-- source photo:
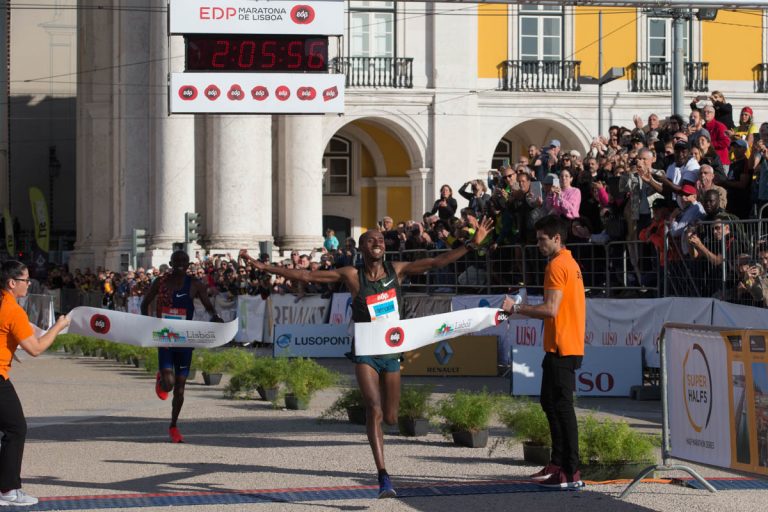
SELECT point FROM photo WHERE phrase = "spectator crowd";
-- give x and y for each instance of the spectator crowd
(660, 177)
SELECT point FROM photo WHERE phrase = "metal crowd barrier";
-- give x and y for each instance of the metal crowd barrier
(721, 269)
(609, 270)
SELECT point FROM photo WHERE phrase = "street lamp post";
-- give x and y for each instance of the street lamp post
(54, 168)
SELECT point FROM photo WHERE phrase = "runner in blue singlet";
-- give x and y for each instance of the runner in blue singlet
(175, 293)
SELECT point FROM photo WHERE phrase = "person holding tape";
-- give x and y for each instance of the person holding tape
(564, 314)
(15, 332)
(175, 293)
(376, 295)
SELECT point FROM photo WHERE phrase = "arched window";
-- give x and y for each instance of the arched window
(337, 161)
(502, 154)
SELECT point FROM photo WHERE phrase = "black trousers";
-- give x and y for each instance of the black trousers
(13, 425)
(558, 384)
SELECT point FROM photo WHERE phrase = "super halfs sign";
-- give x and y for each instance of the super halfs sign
(256, 17)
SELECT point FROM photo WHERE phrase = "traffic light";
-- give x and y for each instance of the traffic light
(191, 227)
(138, 245)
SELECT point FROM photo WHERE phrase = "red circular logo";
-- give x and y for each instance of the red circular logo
(100, 324)
(306, 93)
(282, 93)
(188, 92)
(212, 92)
(501, 316)
(236, 93)
(303, 14)
(259, 93)
(394, 337)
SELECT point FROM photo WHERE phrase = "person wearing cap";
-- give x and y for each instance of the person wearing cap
(547, 163)
(746, 128)
(690, 212)
(738, 184)
(720, 140)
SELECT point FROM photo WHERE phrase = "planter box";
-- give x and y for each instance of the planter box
(211, 379)
(136, 361)
(415, 427)
(356, 414)
(192, 375)
(268, 394)
(477, 439)
(537, 454)
(294, 404)
(617, 471)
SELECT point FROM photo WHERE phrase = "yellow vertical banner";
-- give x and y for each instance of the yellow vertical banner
(40, 218)
(10, 240)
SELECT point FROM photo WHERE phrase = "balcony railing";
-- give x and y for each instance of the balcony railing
(761, 77)
(657, 76)
(540, 75)
(389, 72)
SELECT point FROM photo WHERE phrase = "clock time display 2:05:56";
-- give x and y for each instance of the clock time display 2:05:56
(257, 53)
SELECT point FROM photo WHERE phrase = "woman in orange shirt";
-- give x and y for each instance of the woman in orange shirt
(16, 331)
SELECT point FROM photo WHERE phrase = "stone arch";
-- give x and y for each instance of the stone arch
(405, 130)
(539, 129)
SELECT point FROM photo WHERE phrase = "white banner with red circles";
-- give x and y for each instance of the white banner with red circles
(148, 331)
(393, 337)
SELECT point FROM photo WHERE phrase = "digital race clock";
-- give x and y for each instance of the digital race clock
(260, 53)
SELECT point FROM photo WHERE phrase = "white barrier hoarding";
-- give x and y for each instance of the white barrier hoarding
(248, 93)
(604, 371)
(327, 340)
(250, 316)
(341, 309)
(256, 17)
(697, 389)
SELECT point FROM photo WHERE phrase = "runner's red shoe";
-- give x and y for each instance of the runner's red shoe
(176, 436)
(162, 395)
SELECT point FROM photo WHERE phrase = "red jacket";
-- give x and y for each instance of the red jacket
(720, 141)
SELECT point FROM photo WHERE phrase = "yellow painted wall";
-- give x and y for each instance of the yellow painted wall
(492, 38)
(366, 163)
(399, 203)
(619, 38)
(732, 45)
(368, 207)
(395, 157)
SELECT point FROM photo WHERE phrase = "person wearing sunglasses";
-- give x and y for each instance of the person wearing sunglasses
(15, 332)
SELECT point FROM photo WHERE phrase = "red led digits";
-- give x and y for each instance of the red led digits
(278, 53)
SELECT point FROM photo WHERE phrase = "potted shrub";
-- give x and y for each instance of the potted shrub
(413, 418)
(350, 405)
(528, 423)
(268, 373)
(303, 378)
(611, 449)
(467, 416)
(242, 384)
(212, 364)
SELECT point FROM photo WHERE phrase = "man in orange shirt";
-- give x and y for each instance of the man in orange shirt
(564, 314)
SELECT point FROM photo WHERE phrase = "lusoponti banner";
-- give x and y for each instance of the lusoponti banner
(392, 337)
(148, 331)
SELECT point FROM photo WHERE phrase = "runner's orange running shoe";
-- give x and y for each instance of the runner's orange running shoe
(162, 395)
(176, 436)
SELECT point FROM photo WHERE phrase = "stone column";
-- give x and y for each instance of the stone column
(238, 183)
(421, 193)
(300, 182)
(172, 151)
